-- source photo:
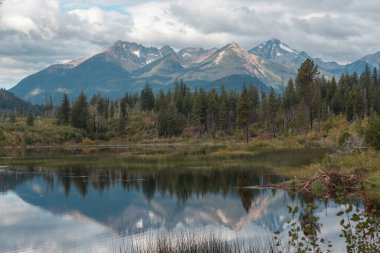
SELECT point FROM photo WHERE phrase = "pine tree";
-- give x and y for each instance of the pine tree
(123, 116)
(162, 123)
(223, 111)
(168, 121)
(358, 102)
(173, 120)
(160, 101)
(64, 111)
(112, 110)
(253, 94)
(147, 98)
(337, 103)
(305, 82)
(199, 112)
(365, 82)
(244, 109)
(187, 105)
(233, 99)
(317, 99)
(349, 107)
(290, 103)
(212, 112)
(375, 77)
(272, 110)
(79, 113)
(330, 92)
(30, 118)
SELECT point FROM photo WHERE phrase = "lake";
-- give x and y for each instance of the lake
(65, 207)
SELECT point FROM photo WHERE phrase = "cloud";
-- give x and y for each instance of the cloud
(37, 33)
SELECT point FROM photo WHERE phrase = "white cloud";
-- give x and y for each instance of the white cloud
(19, 23)
(38, 33)
(44, 32)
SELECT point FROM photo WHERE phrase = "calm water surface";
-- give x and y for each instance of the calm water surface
(101, 209)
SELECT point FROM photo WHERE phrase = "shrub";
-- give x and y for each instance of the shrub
(328, 125)
(312, 144)
(30, 119)
(318, 187)
(2, 136)
(30, 139)
(254, 130)
(372, 132)
(343, 138)
(301, 141)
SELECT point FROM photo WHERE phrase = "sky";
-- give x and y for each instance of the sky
(37, 33)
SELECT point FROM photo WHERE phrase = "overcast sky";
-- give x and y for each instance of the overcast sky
(37, 33)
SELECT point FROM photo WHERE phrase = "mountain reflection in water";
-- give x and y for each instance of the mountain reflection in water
(81, 209)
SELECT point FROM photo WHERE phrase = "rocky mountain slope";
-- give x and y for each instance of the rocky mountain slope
(126, 66)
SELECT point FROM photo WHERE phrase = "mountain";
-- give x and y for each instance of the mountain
(277, 51)
(107, 72)
(132, 56)
(9, 102)
(159, 73)
(234, 60)
(126, 66)
(97, 74)
(373, 60)
(190, 56)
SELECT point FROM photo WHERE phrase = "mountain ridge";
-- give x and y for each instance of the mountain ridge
(127, 66)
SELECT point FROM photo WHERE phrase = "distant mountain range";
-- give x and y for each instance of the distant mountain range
(126, 66)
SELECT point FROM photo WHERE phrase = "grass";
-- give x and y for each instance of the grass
(188, 242)
(176, 156)
(141, 130)
(44, 131)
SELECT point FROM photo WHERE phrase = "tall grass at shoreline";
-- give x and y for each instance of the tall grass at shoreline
(191, 242)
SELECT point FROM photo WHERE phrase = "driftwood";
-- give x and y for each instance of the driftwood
(331, 181)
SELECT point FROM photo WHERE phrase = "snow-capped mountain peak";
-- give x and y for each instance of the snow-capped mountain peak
(132, 56)
(189, 56)
(273, 49)
(286, 48)
(279, 52)
(233, 59)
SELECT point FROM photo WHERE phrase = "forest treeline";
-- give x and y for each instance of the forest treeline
(306, 102)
